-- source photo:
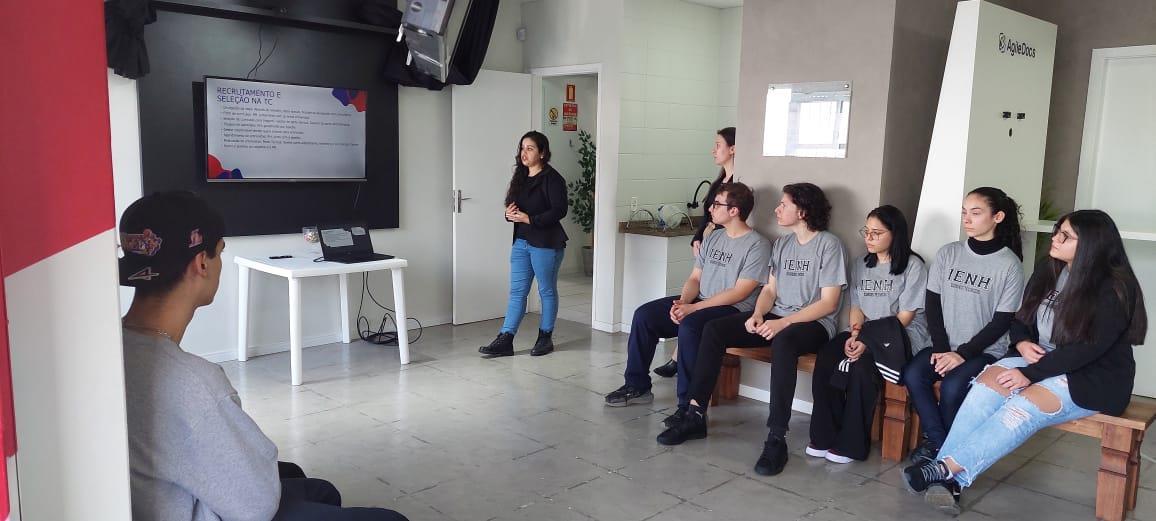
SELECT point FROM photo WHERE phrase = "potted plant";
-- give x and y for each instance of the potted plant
(581, 193)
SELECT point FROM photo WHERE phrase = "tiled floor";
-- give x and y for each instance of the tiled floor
(455, 437)
(574, 297)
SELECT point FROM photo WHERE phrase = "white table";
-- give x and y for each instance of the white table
(301, 266)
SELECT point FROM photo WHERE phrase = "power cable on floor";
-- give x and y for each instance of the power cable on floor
(380, 336)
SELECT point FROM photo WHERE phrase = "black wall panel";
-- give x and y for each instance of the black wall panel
(184, 48)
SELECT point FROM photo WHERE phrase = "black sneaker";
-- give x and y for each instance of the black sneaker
(667, 370)
(944, 497)
(924, 452)
(501, 346)
(773, 458)
(692, 426)
(919, 477)
(676, 418)
(544, 345)
(627, 395)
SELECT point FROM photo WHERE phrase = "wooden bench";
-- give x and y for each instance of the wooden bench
(897, 428)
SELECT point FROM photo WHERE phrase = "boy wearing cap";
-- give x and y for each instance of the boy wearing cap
(194, 454)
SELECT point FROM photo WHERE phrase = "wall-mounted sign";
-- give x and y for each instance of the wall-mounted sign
(569, 117)
(570, 92)
(552, 114)
(1011, 46)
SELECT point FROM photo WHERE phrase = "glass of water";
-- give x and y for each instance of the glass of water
(312, 239)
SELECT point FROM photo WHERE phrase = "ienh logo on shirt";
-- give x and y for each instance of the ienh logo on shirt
(797, 267)
(972, 282)
(875, 287)
(719, 257)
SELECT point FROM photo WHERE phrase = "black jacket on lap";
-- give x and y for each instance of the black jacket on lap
(1101, 370)
(544, 199)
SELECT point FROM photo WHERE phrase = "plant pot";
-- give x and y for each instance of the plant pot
(588, 260)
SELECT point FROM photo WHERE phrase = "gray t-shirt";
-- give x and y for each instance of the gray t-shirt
(724, 261)
(879, 294)
(802, 270)
(1046, 313)
(972, 288)
(193, 453)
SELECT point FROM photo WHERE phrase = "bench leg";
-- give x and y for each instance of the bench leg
(896, 422)
(727, 388)
(877, 421)
(1112, 483)
(1134, 469)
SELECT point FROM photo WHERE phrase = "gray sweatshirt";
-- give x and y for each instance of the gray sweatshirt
(193, 453)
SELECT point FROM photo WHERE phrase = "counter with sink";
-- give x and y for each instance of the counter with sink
(655, 263)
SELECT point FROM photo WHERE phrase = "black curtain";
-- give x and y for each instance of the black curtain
(124, 22)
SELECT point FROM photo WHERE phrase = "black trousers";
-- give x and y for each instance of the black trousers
(786, 348)
(312, 499)
(841, 419)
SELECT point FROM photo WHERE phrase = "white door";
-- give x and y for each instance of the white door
(488, 118)
(1118, 165)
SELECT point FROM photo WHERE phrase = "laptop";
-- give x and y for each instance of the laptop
(348, 243)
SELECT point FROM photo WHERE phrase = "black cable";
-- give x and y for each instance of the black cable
(381, 336)
(261, 56)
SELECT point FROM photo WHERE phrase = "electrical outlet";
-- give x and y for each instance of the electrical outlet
(633, 204)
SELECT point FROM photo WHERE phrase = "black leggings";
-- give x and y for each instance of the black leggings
(312, 499)
(786, 348)
(841, 418)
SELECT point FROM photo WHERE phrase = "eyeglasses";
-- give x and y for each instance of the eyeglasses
(716, 203)
(1064, 236)
(871, 234)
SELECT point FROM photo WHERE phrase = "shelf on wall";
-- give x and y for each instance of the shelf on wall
(254, 14)
(1047, 226)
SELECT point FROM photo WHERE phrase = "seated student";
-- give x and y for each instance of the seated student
(887, 284)
(794, 315)
(193, 453)
(974, 288)
(724, 281)
(1083, 310)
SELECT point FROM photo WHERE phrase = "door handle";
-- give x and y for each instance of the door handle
(457, 201)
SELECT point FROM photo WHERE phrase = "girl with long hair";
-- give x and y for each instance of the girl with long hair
(888, 283)
(536, 202)
(974, 288)
(1083, 311)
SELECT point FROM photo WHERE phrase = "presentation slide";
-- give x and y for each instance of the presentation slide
(261, 131)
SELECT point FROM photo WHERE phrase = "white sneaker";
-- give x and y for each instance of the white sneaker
(836, 458)
(816, 453)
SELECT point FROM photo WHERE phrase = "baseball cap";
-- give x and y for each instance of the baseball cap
(161, 233)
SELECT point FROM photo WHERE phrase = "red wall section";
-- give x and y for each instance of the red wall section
(55, 161)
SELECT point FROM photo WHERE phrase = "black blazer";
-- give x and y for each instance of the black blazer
(544, 199)
(1100, 371)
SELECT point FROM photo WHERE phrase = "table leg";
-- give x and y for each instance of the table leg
(242, 313)
(295, 330)
(344, 297)
(399, 314)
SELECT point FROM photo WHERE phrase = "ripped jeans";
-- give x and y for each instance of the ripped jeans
(989, 425)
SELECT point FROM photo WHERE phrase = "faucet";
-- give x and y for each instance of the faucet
(693, 203)
(630, 219)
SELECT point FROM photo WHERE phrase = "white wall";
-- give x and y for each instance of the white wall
(565, 145)
(729, 49)
(423, 237)
(563, 33)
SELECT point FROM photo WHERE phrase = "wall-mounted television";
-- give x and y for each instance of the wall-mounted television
(266, 131)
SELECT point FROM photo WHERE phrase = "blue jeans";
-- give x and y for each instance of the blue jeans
(527, 262)
(936, 416)
(652, 323)
(989, 425)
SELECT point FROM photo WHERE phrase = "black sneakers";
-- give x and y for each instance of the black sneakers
(676, 418)
(627, 395)
(690, 426)
(501, 346)
(924, 452)
(773, 458)
(919, 477)
(667, 370)
(544, 345)
(944, 497)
